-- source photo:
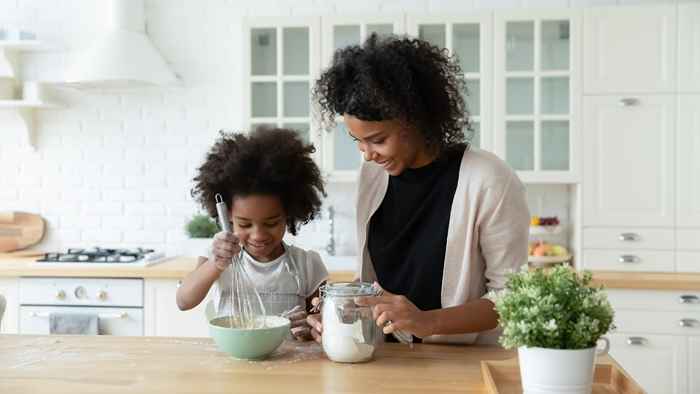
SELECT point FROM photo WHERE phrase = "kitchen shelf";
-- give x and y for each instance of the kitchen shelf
(546, 230)
(5, 104)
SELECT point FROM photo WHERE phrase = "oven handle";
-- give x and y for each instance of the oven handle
(122, 315)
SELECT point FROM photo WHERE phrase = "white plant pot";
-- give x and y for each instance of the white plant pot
(195, 247)
(560, 371)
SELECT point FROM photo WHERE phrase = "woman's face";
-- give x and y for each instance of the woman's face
(259, 222)
(390, 143)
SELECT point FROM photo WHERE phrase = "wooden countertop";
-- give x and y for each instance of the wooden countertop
(103, 364)
(647, 280)
(172, 268)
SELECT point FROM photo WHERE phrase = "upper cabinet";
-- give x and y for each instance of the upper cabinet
(629, 160)
(631, 49)
(689, 47)
(537, 90)
(470, 39)
(340, 156)
(688, 161)
(280, 69)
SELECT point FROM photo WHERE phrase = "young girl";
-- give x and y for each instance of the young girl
(270, 184)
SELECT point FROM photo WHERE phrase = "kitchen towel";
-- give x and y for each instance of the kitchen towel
(73, 323)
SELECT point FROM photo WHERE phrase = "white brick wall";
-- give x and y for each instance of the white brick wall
(115, 168)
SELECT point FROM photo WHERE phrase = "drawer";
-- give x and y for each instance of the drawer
(628, 238)
(688, 239)
(688, 261)
(656, 322)
(655, 300)
(629, 260)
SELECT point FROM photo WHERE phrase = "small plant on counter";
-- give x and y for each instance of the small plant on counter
(555, 309)
(201, 226)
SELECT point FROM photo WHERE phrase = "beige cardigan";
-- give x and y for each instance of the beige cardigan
(487, 235)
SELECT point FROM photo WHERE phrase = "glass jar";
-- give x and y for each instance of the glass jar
(349, 331)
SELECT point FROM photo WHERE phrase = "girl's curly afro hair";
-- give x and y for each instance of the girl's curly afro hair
(269, 162)
(396, 78)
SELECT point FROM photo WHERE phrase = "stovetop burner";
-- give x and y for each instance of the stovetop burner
(96, 255)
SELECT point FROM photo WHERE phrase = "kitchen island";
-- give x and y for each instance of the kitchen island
(100, 364)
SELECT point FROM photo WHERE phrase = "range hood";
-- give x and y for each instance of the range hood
(123, 56)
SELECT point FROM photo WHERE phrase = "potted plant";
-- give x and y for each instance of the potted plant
(555, 319)
(200, 229)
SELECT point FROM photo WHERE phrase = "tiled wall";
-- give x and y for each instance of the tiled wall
(114, 168)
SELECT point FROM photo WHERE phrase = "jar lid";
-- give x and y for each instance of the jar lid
(348, 289)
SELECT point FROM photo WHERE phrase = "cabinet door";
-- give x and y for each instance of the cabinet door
(656, 362)
(164, 318)
(628, 161)
(341, 157)
(9, 289)
(469, 38)
(630, 49)
(282, 59)
(688, 161)
(537, 90)
(689, 47)
(693, 364)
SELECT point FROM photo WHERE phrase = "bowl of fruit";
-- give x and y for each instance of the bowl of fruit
(542, 253)
(540, 225)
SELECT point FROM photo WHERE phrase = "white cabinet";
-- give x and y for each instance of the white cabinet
(340, 156)
(9, 288)
(164, 318)
(688, 160)
(656, 362)
(657, 338)
(537, 93)
(281, 63)
(470, 39)
(689, 47)
(630, 49)
(628, 161)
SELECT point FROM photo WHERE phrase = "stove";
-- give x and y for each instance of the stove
(103, 256)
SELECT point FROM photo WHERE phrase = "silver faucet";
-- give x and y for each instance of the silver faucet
(330, 246)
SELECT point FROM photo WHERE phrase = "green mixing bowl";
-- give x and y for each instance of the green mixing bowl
(249, 344)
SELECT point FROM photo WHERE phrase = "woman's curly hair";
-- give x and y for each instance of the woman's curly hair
(396, 78)
(269, 161)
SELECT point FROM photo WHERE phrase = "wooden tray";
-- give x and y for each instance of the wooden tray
(19, 230)
(503, 377)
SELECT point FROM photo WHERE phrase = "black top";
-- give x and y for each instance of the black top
(408, 232)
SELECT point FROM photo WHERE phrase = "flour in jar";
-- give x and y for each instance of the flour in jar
(343, 342)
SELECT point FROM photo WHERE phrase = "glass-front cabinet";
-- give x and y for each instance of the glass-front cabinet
(469, 39)
(536, 106)
(341, 157)
(279, 72)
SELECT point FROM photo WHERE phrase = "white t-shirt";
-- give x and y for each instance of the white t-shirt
(282, 283)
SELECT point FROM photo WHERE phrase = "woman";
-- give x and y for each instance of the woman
(439, 224)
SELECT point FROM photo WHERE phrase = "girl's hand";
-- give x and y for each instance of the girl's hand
(314, 322)
(398, 310)
(224, 246)
(301, 330)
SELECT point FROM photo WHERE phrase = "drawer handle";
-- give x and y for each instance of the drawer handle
(688, 322)
(636, 341)
(122, 315)
(628, 258)
(689, 299)
(178, 284)
(628, 237)
(629, 101)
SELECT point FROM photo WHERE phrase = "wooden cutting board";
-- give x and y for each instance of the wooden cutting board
(20, 230)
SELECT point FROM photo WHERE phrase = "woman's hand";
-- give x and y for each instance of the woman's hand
(314, 322)
(395, 312)
(224, 246)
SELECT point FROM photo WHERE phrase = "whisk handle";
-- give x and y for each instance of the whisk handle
(222, 213)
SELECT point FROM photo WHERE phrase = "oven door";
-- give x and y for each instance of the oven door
(111, 321)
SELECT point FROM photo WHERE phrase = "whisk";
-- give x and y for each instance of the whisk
(244, 296)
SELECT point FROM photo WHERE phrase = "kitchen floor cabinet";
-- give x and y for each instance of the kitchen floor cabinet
(9, 288)
(164, 318)
(630, 49)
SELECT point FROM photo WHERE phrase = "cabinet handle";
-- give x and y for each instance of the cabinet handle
(689, 299)
(627, 237)
(178, 284)
(121, 315)
(688, 322)
(628, 258)
(636, 341)
(629, 101)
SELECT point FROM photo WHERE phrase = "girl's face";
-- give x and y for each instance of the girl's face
(259, 222)
(390, 143)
